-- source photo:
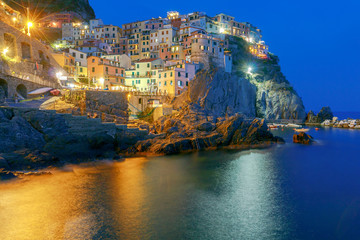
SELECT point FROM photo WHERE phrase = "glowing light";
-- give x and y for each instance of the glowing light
(30, 24)
(222, 30)
(5, 51)
(249, 70)
(101, 80)
(58, 75)
(14, 19)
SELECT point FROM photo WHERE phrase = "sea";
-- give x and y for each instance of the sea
(288, 191)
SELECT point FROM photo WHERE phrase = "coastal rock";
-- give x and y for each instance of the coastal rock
(68, 146)
(6, 175)
(3, 163)
(27, 159)
(17, 133)
(50, 125)
(303, 138)
(206, 127)
(190, 135)
(324, 114)
(219, 93)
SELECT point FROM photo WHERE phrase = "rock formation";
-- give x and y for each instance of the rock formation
(195, 128)
(324, 114)
(303, 138)
(263, 93)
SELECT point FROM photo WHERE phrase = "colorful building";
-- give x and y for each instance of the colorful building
(143, 76)
(174, 79)
(104, 73)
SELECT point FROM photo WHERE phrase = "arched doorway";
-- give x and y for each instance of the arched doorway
(21, 91)
(3, 89)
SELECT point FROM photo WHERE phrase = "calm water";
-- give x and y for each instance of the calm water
(286, 192)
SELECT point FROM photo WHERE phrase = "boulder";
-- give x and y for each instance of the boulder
(17, 133)
(69, 146)
(3, 163)
(303, 138)
(206, 127)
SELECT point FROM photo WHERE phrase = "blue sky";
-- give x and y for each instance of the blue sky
(317, 41)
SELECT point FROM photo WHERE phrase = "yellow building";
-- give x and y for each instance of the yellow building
(143, 77)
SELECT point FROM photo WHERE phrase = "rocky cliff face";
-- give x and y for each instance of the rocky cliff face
(81, 7)
(275, 97)
(264, 93)
(220, 94)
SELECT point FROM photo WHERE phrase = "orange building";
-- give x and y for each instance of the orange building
(66, 61)
(106, 74)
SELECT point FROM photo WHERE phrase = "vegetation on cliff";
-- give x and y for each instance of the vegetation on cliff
(81, 7)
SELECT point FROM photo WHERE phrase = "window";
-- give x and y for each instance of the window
(165, 83)
(187, 83)
(81, 70)
(186, 75)
(159, 84)
(93, 69)
(148, 65)
(140, 100)
(25, 50)
(171, 74)
(137, 66)
(171, 83)
(179, 74)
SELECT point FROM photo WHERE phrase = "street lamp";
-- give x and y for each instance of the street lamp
(101, 80)
(249, 70)
(5, 51)
(29, 25)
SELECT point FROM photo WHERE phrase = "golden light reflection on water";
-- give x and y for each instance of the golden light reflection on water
(65, 205)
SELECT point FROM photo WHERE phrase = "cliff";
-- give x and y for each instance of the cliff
(81, 8)
(264, 93)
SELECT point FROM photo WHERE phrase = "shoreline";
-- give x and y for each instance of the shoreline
(48, 170)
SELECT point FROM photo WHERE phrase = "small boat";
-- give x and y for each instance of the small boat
(301, 130)
(273, 127)
(293, 125)
(316, 129)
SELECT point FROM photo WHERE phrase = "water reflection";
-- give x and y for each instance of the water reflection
(195, 196)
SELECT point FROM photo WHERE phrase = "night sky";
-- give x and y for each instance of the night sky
(318, 41)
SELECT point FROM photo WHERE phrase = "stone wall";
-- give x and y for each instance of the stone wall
(108, 105)
(27, 61)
